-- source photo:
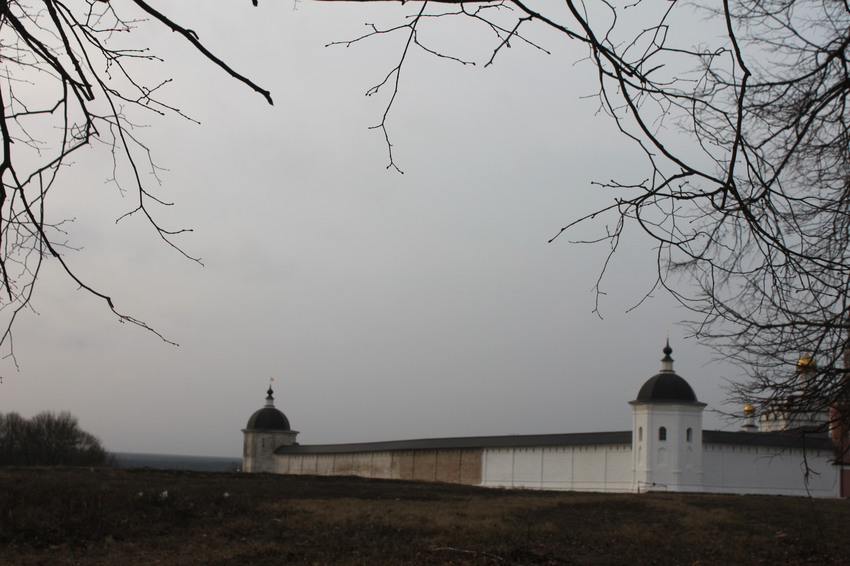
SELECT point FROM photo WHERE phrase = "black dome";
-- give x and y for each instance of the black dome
(268, 418)
(667, 386)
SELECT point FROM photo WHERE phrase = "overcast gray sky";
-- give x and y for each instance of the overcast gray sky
(385, 306)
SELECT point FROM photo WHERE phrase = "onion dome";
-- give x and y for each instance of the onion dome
(749, 419)
(806, 362)
(268, 418)
(666, 385)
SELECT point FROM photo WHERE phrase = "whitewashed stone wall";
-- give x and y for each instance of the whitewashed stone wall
(729, 468)
(726, 468)
(443, 465)
(570, 468)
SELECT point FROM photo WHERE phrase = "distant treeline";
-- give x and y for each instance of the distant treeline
(174, 462)
(47, 439)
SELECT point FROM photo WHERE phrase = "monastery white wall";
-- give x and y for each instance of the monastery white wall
(570, 468)
(726, 468)
(448, 465)
(729, 468)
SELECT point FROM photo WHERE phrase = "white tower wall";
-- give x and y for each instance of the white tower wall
(667, 447)
(259, 445)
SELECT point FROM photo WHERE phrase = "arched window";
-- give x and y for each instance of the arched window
(689, 435)
(640, 434)
(662, 433)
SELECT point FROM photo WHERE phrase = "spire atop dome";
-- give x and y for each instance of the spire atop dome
(667, 361)
(270, 394)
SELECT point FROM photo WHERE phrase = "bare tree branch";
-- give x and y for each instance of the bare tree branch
(746, 181)
(60, 69)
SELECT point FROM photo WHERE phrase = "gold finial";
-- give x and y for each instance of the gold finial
(749, 410)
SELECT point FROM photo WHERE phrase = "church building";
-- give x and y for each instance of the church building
(666, 450)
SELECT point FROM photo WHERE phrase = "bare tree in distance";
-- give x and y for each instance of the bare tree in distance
(66, 85)
(48, 439)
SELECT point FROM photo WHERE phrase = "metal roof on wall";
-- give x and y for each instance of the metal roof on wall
(776, 440)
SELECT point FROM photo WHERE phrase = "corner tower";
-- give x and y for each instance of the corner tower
(267, 429)
(667, 432)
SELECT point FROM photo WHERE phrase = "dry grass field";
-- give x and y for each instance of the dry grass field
(125, 517)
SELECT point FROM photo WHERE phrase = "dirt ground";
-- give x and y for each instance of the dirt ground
(112, 516)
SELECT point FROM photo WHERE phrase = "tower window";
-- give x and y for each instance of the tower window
(689, 435)
(640, 434)
(662, 433)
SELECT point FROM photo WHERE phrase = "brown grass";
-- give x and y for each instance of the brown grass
(60, 516)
